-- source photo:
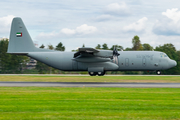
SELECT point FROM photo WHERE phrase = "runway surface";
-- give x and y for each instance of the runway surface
(75, 75)
(90, 84)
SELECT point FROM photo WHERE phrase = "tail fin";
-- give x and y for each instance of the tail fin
(20, 41)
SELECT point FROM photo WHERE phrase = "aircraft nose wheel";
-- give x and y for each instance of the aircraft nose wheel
(158, 72)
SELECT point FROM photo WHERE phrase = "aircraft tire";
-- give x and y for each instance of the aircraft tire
(158, 72)
(101, 73)
(92, 73)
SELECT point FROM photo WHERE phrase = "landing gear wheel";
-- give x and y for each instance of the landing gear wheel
(101, 73)
(158, 72)
(92, 73)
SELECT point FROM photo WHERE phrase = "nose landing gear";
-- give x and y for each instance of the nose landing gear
(158, 72)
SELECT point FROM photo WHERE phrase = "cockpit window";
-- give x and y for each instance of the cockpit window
(163, 55)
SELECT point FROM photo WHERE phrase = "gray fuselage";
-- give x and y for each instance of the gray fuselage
(127, 61)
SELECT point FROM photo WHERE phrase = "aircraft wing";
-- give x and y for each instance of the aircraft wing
(85, 51)
(91, 53)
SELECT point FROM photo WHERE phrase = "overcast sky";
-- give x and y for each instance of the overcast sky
(92, 22)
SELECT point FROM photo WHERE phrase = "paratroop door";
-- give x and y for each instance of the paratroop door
(126, 62)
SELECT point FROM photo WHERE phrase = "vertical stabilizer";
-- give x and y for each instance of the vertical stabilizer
(20, 40)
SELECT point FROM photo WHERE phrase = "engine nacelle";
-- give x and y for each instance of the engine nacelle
(104, 54)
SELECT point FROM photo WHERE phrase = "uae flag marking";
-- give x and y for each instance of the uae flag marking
(19, 34)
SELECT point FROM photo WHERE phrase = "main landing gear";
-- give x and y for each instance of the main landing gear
(158, 72)
(96, 73)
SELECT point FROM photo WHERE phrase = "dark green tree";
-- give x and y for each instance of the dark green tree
(178, 56)
(98, 46)
(74, 50)
(42, 46)
(60, 47)
(10, 63)
(50, 47)
(178, 62)
(118, 47)
(147, 47)
(136, 43)
(105, 47)
(128, 49)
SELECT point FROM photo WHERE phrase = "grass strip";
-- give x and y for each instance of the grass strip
(135, 79)
(54, 103)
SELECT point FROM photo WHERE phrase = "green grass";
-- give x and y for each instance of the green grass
(150, 79)
(50, 103)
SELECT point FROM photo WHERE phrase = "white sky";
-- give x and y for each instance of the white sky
(78, 22)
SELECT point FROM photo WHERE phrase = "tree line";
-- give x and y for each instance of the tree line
(11, 64)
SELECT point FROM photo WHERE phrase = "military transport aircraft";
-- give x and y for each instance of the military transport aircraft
(96, 62)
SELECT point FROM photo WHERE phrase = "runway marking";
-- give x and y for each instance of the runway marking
(90, 84)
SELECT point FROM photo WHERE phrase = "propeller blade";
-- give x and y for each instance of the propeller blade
(115, 52)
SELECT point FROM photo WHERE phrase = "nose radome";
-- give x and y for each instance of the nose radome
(173, 63)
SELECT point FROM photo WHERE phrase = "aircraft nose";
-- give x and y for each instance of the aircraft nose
(175, 63)
(172, 63)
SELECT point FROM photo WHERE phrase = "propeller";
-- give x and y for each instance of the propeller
(115, 52)
(115, 55)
